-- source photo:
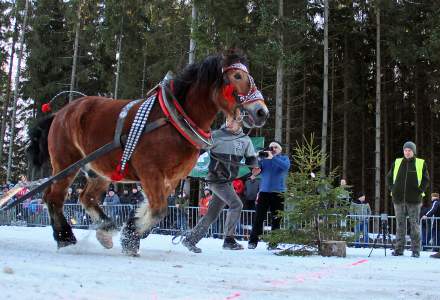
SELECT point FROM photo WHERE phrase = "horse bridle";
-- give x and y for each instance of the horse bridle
(231, 94)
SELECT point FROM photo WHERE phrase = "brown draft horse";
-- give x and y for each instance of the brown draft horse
(161, 159)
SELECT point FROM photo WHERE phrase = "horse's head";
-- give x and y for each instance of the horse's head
(240, 96)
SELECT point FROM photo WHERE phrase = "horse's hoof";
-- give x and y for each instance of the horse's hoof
(131, 252)
(64, 238)
(130, 247)
(105, 238)
(130, 241)
(62, 244)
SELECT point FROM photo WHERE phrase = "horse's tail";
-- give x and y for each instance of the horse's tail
(38, 151)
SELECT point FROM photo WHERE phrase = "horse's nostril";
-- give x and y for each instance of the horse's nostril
(261, 113)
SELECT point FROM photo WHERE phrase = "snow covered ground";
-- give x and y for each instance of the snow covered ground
(32, 268)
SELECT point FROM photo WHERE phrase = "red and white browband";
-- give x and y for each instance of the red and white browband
(236, 66)
(254, 94)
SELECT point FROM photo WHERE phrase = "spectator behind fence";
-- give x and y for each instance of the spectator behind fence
(111, 198)
(435, 226)
(346, 195)
(426, 223)
(252, 185)
(136, 196)
(23, 180)
(71, 197)
(273, 169)
(170, 219)
(361, 210)
(182, 202)
(204, 202)
(230, 146)
(125, 197)
(172, 199)
(407, 181)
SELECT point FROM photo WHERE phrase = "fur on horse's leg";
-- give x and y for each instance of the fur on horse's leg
(140, 222)
(54, 197)
(89, 199)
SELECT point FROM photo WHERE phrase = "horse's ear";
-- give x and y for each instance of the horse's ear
(234, 55)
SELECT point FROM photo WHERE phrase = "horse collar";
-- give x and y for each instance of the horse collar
(181, 121)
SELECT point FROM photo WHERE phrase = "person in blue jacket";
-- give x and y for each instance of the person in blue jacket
(273, 168)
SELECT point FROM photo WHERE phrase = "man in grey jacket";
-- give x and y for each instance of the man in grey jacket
(229, 147)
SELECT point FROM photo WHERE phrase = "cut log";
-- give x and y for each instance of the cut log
(334, 248)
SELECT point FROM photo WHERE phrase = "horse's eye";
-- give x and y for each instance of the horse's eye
(237, 76)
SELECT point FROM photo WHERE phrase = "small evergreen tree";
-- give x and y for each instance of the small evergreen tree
(314, 209)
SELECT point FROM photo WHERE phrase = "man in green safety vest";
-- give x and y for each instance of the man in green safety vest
(407, 181)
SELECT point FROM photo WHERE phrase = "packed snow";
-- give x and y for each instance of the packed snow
(33, 268)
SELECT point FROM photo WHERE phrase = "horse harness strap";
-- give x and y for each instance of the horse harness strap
(120, 123)
(137, 127)
(179, 119)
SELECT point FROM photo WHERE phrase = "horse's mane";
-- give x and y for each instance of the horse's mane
(206, 74)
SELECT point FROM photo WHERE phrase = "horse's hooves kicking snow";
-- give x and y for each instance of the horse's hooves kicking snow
(64, 238)
(105, 232)
(105, 238)
(130, 239)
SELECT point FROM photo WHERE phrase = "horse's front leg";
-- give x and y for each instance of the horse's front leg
(142, 219)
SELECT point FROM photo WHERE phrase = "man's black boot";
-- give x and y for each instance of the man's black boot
(231, 244)
(191, 246)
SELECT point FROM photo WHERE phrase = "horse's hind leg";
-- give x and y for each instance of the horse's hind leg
(90, 198)
(54, 197)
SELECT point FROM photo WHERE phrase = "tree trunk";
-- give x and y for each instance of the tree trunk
(333, 248)
(325, 90)
(192, 41)
(7, 99)
(332, 112)
(16, 88)
(288, 119)
(75, 51)
(118, 58)
(345, 115)
(304, 107)
(432, 157)
(377, 182)
(386, 154)
(279, 83)
(144, 74)
(417, 111)
(363, 168)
